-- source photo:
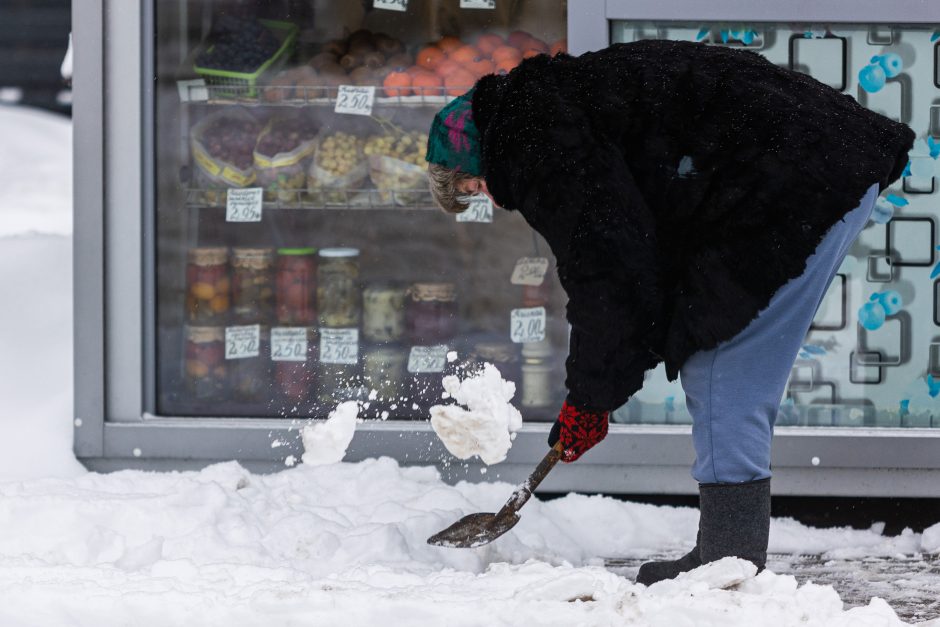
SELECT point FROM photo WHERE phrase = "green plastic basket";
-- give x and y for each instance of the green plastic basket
(242, 84)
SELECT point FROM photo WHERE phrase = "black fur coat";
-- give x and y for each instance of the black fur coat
(679, 186)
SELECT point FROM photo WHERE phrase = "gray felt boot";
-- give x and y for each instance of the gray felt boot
(651, 572)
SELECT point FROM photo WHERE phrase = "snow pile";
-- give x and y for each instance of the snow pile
(485, 427)
(930, 542)
(326, 442)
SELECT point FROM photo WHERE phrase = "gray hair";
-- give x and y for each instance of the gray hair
(444, 190)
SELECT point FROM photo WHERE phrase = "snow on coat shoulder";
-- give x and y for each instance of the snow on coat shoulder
(326, 442)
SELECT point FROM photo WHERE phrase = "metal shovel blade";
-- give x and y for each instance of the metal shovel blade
(474, 530)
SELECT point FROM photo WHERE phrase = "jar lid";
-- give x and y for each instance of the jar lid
(296, 251)
(214, 256)
(537, 349)
(256, 258)
(433, 291)
(339, 252)
(384, 287)
(499, 352)
(203, 335)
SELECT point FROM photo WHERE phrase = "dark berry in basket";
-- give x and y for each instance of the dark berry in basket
(238, 45)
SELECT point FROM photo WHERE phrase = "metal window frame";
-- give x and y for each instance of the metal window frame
(113, 254)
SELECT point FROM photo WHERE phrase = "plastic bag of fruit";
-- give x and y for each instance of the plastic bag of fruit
(222, 146)
(397, 167)
(281, 156)
(339, 170)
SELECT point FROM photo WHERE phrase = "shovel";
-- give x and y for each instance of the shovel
(476, 530)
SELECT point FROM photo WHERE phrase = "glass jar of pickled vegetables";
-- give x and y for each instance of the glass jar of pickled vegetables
(207, 285)
(296, 286)
(431, 313)
(384, 370)
(250, 377)
(204, 371)
(252, 284)
(338, 288)
(383, 312)
(295, 370)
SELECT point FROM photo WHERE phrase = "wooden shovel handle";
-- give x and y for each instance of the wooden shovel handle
(524, 491)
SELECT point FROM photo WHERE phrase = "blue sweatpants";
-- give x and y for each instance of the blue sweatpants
(734, 390)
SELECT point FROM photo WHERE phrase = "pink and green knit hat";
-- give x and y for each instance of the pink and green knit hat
(454, 140)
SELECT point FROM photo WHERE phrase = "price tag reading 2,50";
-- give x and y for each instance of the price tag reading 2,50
(339, 346)
(527, 325)
(243, 205)
(289, 344)
(480, 209)
(242, 342)
(355, 99)
(390, 5)
(424, 359)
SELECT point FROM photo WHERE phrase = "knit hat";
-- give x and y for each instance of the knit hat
(454, 140)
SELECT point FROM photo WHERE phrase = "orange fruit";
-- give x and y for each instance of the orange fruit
(448, 44)
(447, 66)
(506, 66)
(481, 66)
(397, 84)
(559, 46)
(531, 52)
(414, 69)
(459, 82)
(430, 57)
(464, 54)
(488, 42)
(519, 39)
(426, 84)
(536, 44)
(506, 53)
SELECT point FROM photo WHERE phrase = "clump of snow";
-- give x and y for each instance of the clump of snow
(930, 541)
(326, 442)
(485, 427)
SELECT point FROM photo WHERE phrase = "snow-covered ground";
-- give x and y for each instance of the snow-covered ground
(334, 544)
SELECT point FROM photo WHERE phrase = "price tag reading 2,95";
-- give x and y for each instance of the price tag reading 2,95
(339, 346)
(355, 99)
(289, 344)
(243, 205)
(390, 5)
(480, 209)
(242, 342)
(424, 359)
(527, 325)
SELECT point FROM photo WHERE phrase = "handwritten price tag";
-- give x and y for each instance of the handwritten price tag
(243, 205)
(477, 4)
(529, 271)
(390, 5)
(289, 344)
(355, 100)
(243, 342)
(339, 346)
(423, 359)
(527, 325)
(480, 210)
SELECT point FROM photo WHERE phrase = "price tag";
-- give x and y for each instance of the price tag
(243, 205)
(477, 4)
(423, 359)
(390, 5)
(289, 344)
(242, 342)
(193, 90)
(480, 209)
(529, 271)
(527, 325)
(355, 99)
(339, 346)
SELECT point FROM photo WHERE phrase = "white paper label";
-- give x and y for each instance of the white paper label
(289, 344)
(355, 99)
(527, 325)
(243, 341)
(477, 4)
(423, 359)
(193, 90)
(339, 346)
(480, 209)
(529, 271)
(244, 205)
(390, 5)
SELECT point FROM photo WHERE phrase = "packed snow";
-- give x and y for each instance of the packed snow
(330, 544)
(486, 426)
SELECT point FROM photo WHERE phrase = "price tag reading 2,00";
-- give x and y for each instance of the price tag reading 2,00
(425, 359)
(243, 205)
(355, 99)
(527, 325)
(289, 344)
(480, 209)
(243, 341)
(339, 346)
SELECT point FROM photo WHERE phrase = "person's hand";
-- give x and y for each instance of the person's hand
(578, 430)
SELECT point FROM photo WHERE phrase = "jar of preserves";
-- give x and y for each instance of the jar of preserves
(384, 370)
(204, 371)
(250, 377)
(338, 288)
(207, 285)
(252, 284)
(503, 355)
(431, 313)
(295, 373)
(338, 382)
(296, 286)
(383, 312)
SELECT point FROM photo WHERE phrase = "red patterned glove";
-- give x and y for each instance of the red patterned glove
(578, 430)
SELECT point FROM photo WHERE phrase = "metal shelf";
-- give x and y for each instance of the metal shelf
(345, 199)
(310, 96)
